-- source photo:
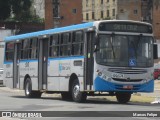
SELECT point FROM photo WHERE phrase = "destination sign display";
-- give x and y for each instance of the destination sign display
(125, 27)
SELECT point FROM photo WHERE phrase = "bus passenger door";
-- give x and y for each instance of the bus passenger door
(43, 63)
(17, 55)
(89, 60)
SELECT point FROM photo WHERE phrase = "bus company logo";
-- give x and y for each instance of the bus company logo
(6, 114)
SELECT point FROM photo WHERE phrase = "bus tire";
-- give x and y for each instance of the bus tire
(66, 96)
(123, 97)
(78, 96)
(28, 90)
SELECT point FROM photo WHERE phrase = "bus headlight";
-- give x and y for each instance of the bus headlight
(145, 81)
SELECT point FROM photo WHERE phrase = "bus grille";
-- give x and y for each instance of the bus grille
(127, 71)
(126, 80)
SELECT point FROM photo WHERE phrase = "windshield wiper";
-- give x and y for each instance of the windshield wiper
(111, 40)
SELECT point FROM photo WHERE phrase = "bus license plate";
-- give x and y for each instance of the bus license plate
(128, 87)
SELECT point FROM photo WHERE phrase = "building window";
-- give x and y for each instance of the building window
(93, 17)
(113, 12)
(108, 13)
(135, 11)
(101, 1)
(86, 3)
(56, 8)
(113, 1)
(74, 11)
(101, 14)
(87, 16)
(107, 0)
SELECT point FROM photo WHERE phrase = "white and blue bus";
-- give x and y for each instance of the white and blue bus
(110, 57)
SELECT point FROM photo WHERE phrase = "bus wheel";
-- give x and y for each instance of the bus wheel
(29, 92)
(77, 96)
(66, 96)
(123, 97)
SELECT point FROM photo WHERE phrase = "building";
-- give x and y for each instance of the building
(139, 10)
(60, 13)
(156, 19)
(111, 9)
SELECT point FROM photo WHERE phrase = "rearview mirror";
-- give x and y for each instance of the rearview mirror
(96, 44)
(155, 51)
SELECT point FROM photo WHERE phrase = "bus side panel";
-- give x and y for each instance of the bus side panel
(53, 75)
(30, 69)
(33, 73)
(8, 74)
(64, 72)
(77, 67)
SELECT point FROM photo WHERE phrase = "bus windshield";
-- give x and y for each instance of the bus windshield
(125, 50)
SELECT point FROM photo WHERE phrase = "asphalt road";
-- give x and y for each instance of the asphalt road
(15, 101)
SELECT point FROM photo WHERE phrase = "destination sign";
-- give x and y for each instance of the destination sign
(125, 27)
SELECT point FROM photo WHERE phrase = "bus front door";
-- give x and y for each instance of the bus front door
(17, 55)
(43, 63)
(89, 61)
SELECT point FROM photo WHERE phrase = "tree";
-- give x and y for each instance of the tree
(5, 9)
(21, 9)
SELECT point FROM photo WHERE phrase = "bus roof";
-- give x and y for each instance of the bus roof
(50, 31)
(65, 29)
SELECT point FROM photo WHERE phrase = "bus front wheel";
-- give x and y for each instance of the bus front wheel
(77, 95)
(123, 97)
(29, 92)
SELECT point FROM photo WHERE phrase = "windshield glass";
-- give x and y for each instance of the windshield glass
(125, 50)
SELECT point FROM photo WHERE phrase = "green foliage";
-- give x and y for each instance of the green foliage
(21, 9)
(5, 9)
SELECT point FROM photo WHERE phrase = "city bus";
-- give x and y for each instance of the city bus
(99, 58)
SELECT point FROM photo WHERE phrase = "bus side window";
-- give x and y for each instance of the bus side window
(54, 46)
(25, 49)
(9, 51)
(65, 49)
(33, 48)
(77, 43)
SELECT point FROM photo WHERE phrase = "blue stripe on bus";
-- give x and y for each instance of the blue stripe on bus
(102, 85)
(67, 58)
(8, 62)
(50, 31)
(62, 58)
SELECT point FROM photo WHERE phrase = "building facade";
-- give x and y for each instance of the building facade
(139, 10)
(156, 19)
(60, 13)
(111, 9)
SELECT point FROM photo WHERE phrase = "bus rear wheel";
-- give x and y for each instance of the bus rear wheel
(28, 90)
(77, 95)
(123, 97)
